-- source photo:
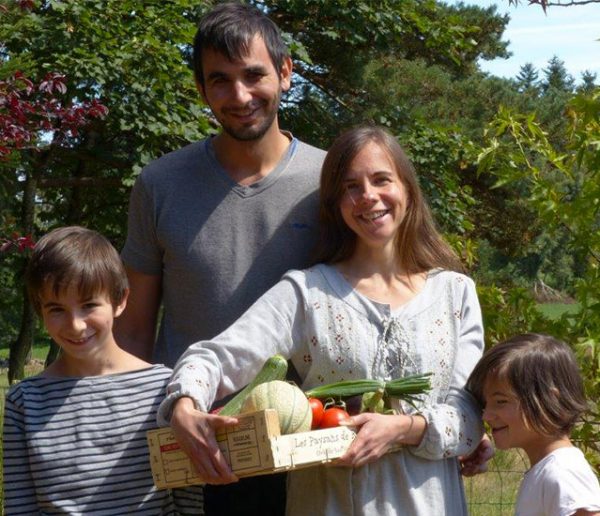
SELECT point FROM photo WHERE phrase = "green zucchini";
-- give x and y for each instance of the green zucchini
(275, 368)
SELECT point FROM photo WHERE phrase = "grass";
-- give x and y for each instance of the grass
(556, 310)
(494, 493)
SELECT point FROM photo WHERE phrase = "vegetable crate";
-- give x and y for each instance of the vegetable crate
(253, 447)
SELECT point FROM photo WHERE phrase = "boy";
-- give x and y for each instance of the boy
(75, 435)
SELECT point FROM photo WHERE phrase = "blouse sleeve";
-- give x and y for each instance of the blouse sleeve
(454, 427)
(212, 369)
(19, 489)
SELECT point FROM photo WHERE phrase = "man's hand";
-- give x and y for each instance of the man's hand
(195, 432)
(476, 462)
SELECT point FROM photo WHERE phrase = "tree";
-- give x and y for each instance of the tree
(544, 4)
(343, 40)
(30, 113)
(564, 189)
(556, 77)
(102, 53)
(588, 83)
(527, 78)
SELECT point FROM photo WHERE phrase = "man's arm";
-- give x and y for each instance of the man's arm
(135, 328)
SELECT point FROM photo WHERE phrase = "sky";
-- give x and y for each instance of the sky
(571, 33)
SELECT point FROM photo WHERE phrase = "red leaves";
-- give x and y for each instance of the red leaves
(20, 243)
(53, 81)
(26, 5)
(29, 112)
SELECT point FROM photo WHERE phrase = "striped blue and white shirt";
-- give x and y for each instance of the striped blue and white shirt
(78, 446)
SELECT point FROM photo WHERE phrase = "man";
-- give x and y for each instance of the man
(214, 225)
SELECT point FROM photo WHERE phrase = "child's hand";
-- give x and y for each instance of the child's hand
(378, 434)
(476, 462)
(195, 432)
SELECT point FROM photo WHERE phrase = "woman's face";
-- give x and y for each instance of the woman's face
(374, 199)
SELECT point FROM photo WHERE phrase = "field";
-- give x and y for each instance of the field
(556, 310)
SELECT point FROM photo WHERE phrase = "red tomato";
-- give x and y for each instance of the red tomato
(316, 406)
(333, 417)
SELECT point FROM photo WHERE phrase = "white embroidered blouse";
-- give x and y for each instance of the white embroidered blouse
(331, 332)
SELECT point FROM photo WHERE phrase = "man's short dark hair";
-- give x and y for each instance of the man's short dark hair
(229, 29)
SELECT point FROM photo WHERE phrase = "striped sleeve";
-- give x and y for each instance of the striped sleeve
(19, 493)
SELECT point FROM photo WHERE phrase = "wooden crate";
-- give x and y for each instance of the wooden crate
(253, 447)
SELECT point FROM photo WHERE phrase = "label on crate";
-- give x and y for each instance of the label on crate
(309, 448)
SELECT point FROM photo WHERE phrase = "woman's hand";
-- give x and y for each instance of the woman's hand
(195, 433)
(378, 434)
(476, 462)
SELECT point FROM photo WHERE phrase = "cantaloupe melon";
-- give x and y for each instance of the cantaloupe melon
(288, 400)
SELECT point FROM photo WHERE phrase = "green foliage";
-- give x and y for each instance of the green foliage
(347, 41)
(564, 191)
(508, 312)
(132, 60)
(441, 159)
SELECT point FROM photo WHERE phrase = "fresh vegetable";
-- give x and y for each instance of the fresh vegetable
(345, 388)
(372, 402)
(288, 400)
(275, 368)
(316, 407)
(333, 416)
(407, 388)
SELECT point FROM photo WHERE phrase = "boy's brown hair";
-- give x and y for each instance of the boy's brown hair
(543, 374)
(79, 257)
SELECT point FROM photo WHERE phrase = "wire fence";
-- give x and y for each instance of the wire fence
(495, 492)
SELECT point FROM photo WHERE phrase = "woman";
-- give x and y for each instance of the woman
(382, 303)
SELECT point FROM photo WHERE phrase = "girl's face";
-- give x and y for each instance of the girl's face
(374, 199)
(504, 415)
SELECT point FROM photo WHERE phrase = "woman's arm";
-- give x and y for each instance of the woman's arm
(210, 370)
(454, 427)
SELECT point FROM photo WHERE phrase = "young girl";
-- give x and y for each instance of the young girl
(74, 437)
(384, 303)
(532, 394)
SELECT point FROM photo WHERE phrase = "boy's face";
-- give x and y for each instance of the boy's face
(81, 327)
(504, 415)
(244, 94)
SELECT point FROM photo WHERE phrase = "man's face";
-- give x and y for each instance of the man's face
(244, 94)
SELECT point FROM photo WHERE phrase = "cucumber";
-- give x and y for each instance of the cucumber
(275, 368)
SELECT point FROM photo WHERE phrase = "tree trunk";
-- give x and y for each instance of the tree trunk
(21, 347)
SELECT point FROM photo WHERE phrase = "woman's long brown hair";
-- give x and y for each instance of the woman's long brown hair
(419, 245)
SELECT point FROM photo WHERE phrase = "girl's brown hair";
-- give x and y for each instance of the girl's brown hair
(75, 256)
(543, 374)
(419, 245)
